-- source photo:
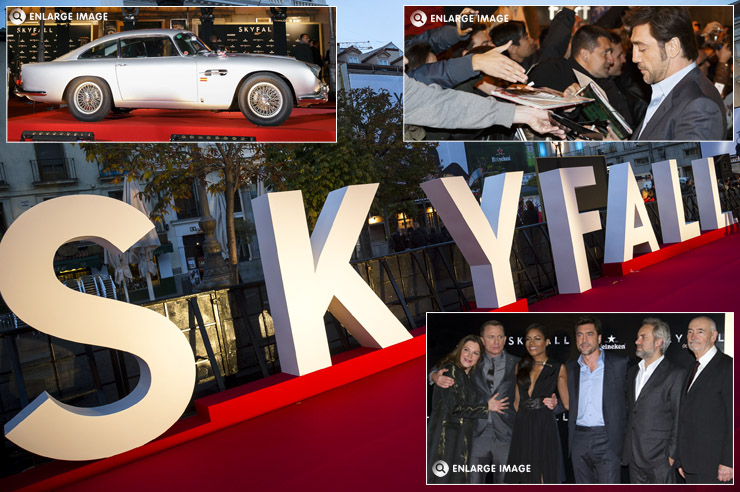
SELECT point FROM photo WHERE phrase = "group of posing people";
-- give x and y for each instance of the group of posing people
(661, 91)
(495, 413)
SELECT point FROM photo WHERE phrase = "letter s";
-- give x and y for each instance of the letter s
(30, 288)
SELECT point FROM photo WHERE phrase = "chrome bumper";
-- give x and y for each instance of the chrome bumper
(20, 91)
(316, 98)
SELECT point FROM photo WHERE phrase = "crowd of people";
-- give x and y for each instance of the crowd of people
(495, 413)
(666, 76)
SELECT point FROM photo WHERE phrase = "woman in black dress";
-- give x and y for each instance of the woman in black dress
(454, 409)
(534, 439)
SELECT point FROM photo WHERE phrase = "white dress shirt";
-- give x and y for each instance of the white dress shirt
(661, 90)
(703, 361)
(644, 374)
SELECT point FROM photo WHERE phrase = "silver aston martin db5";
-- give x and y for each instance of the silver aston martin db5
(171, 69)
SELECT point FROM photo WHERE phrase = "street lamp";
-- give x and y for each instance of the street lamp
(216, 272)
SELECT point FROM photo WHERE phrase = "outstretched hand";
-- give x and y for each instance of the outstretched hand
(538, 120)
(496, 64)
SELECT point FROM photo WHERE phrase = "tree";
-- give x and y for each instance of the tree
(369, 148)
(167, 172)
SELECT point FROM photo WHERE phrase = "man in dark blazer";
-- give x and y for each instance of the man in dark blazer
(654, 389)
(493, 377)
(684, 104)
(705, 417)
(302, 50)
(597, 416)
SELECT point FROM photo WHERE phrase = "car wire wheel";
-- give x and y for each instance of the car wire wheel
(265, 99)
(88, 97)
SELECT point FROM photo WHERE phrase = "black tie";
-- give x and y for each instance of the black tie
(489, 375)
(691, 378)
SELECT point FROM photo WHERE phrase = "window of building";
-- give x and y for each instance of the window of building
(187, 208)
(117, 194)
(642, 161)
(353, 59)
(3, 224)
(50, 162)
(383, 61)
(690, 152)
(237, 202)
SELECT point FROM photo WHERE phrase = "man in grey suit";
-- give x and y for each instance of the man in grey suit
(493, 377)
(684, 103)
(654, 389)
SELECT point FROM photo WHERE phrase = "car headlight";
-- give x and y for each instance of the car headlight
(314, 68)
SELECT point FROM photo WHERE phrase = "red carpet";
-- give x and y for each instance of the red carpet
(703, 279)
(367, 435)
(370, 434)
(316, 124)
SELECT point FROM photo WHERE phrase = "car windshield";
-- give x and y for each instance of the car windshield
(189, 44)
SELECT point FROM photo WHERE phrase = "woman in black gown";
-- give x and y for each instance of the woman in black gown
(534, 439)
(454, 409)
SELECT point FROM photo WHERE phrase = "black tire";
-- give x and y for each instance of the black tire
(88, 98)
(265, 99)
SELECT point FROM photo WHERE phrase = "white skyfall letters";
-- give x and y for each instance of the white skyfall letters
(673, 225)
(711, 216)
(567, 226)
(306, 276)
(627, 223)
(33, 292)
(484, 233)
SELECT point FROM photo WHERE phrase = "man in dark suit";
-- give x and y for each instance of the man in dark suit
(590, 60)
(705, 416)
(302, 50)
(684, 104)
(493, 377)
(597, 417)
(654, 389)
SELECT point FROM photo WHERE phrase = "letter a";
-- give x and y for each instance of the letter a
(306, 276)
(627, 223)
(32, 290)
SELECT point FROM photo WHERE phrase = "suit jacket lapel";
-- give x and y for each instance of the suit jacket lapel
(576, 387)
(657, 118)
(631, 378)
(605, 382)
(704, 373)
(667, 104)
(507, 365)
(654, 380)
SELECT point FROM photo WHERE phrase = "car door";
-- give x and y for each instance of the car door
(218, 77)
(151, 70)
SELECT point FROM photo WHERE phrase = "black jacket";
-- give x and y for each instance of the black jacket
(614, 399)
